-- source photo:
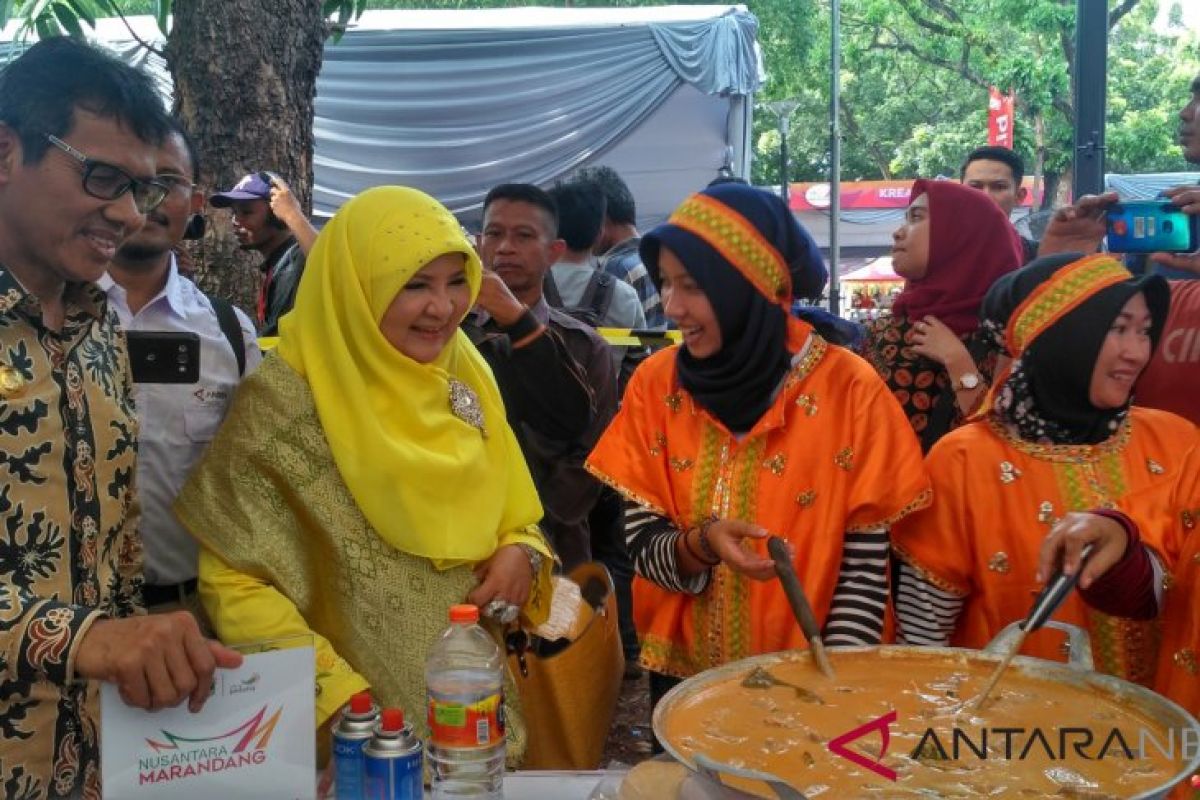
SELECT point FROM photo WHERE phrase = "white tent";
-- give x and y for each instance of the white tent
(455, 102)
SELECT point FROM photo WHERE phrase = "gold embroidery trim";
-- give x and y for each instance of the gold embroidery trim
(739, 242)
(916, 504)
(1059, 294)
(813, 351)
(927, 576)
(1064, 453)
(626, 491)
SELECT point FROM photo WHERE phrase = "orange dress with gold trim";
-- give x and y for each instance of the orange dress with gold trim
(995, 499)
(834, 453)
(1170, 525)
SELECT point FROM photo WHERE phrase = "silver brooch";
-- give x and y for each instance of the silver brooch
(464, 404)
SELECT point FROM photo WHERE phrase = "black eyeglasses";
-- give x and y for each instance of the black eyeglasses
(175, 183)
(108, 182)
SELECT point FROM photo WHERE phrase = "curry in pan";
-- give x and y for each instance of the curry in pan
(1034, 738)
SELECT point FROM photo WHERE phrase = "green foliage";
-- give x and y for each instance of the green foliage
(68, 17)
(914, 86)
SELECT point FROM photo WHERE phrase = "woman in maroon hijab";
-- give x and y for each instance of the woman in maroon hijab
(954, 243)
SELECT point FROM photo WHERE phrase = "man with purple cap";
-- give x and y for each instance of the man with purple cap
(267, 218)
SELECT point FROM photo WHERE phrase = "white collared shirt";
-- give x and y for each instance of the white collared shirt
(177, 421)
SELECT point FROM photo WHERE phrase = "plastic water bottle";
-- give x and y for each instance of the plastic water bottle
(465, 688)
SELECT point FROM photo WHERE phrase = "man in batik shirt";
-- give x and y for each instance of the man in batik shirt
(78, 136)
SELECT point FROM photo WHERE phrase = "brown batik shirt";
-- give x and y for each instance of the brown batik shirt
(69, 551)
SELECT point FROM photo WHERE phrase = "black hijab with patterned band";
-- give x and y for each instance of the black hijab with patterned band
(1056, 313)
(749, 256)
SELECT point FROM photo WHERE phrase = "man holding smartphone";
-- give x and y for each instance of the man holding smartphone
(1172, 379)
(180, 405)
(268, 219)
(78, 133)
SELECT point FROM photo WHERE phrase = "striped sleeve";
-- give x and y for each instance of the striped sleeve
(859, 603)
(651, 539)
(925, 614)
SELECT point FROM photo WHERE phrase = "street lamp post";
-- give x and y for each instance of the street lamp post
(783, 110)
(835, 155)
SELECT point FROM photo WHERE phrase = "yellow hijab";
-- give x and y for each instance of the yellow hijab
(430, 483)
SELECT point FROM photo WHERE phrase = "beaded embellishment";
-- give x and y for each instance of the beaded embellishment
(464, 404)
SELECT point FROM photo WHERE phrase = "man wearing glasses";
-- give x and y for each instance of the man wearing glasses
(78, 133)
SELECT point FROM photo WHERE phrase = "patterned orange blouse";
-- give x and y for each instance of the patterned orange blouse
(995, 499)
(1168, 523)
(833, 454)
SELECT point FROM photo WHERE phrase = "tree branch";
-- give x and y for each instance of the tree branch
(959, 69)
(113, 7)
(1123, 8)
(927, 24)
(945, 10)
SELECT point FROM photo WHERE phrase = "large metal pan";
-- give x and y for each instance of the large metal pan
(1078, 672)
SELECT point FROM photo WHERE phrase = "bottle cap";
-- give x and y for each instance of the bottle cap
(360, 703)
(392, 720)
(464, 613)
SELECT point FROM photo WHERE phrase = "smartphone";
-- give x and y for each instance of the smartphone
(164, 356)
(268, 178)
(1151, 226)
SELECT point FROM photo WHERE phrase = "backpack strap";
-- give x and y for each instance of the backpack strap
(550, 290)
(598, 296)
(232, 329)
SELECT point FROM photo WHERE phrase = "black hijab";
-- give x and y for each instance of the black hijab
(737, 385)
(1046, 396)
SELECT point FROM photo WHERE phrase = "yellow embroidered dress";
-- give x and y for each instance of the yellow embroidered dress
(352, 490)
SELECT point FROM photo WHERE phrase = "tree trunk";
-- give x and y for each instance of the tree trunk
(245, 80)
(1053, 182)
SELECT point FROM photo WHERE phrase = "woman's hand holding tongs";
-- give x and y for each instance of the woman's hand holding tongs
(1063, 546)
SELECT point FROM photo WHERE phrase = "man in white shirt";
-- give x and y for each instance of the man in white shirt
(176, 420)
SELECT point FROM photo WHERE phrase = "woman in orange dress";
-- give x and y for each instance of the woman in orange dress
(1145, 561)
(753, 426)
(1060, 437)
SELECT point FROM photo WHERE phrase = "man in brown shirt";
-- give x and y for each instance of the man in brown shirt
(78, 136)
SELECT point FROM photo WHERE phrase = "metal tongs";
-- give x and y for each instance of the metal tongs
(1048, 600)
(799, 603)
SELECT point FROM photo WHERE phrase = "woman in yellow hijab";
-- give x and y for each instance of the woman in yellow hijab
(366, 479)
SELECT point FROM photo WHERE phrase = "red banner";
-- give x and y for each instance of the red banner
(863, 195)
(1001, 118)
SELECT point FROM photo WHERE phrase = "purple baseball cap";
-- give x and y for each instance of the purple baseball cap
(250, 187)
